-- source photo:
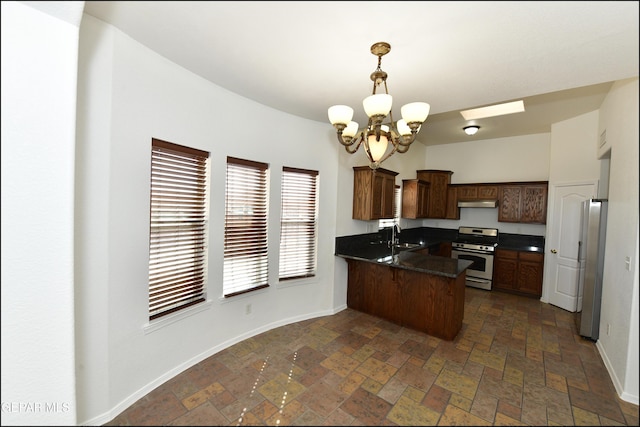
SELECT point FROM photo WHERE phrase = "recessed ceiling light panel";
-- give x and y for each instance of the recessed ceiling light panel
(493, 110)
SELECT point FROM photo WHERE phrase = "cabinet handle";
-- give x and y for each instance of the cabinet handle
(553, 251)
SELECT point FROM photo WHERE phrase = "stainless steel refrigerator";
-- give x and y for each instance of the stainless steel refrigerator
(591, 255)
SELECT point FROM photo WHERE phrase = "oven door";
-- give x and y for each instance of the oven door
(480, 273)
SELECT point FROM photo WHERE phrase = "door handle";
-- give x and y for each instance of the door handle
(553, 251)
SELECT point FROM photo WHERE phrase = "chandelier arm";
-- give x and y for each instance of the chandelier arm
(357, 141)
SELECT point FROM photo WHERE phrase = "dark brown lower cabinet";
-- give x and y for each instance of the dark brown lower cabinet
(421, 301)
(518, 272)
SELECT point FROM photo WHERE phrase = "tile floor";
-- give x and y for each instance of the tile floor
(516, 361)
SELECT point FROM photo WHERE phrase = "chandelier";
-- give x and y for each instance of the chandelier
(378, 133)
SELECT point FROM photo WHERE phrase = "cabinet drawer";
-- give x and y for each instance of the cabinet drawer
(506, 254)
(531, 256)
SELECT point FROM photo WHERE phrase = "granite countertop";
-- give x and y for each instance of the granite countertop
(521, 242)
(409, 259)
(373, 247)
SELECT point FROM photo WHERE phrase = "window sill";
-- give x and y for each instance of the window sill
(164, 321)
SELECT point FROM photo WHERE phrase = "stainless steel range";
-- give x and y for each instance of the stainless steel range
(477, 245)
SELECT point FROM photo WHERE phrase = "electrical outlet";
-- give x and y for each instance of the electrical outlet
(608, 329)
(627, 263)
(247, 309)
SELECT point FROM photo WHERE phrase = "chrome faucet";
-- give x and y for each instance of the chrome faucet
(395, 231)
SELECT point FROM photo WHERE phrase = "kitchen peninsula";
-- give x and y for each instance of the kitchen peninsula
(404, 284)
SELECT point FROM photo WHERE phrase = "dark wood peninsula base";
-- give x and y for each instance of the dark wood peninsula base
(430, 303)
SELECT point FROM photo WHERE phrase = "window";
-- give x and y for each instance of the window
(390, 222)
(245, 227)
(178, 227)
(298, 224)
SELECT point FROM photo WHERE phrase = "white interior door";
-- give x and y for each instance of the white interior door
(561, 258)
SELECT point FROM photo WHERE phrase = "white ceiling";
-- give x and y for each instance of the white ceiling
(301, 57)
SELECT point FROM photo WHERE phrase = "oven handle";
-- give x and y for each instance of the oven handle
(483, 281)
(471, 251)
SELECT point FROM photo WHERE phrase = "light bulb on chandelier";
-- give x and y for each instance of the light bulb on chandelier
(378, 134)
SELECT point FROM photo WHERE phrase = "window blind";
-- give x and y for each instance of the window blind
(390, 222)
(178, 227)
(298, 224)
(245, 227)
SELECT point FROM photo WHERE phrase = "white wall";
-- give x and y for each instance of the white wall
(39, 66)
(619, 348)
(522, 158)
(127, 96)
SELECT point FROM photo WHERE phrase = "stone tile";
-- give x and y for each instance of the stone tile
(504, 420)
(322, 399)
(516, 361)
(585, 418)
(437, 398)
(363, 353)
(377, 370)
(398, 358)
(371, 385)
(508, 410)
(408, 412)
(308, 358)
(340, 364)
(456, 383)
(313, 375)
(201, 396)
(484, 406)
(366, 407)
(286, 415)
(454, 416)
(557, 382)
(309, 418)
(351, 382)
(596, 403)
(485, 358)
(392, 390)
(414, 394)
(415, 376)
(503, 390)
(338, 418)
(281, 389)
(163, 409)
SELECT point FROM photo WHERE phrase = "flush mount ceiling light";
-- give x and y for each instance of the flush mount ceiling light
(493, 110)
(471, 130)
(376, 135)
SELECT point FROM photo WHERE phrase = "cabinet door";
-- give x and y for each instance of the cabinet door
(453, 211)
(468, 192)
(505, 269)
(534, 204)
(423, 199)
(415, 198)
(488, 192)
(439, 181)
(386, 293)
(445, 249)
(373, 193)
(509, 205)
(378, 204)
(355, 285)
(530, 270)
(387, 199)
(438, 195)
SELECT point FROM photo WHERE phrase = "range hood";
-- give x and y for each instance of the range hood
(478, 204)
